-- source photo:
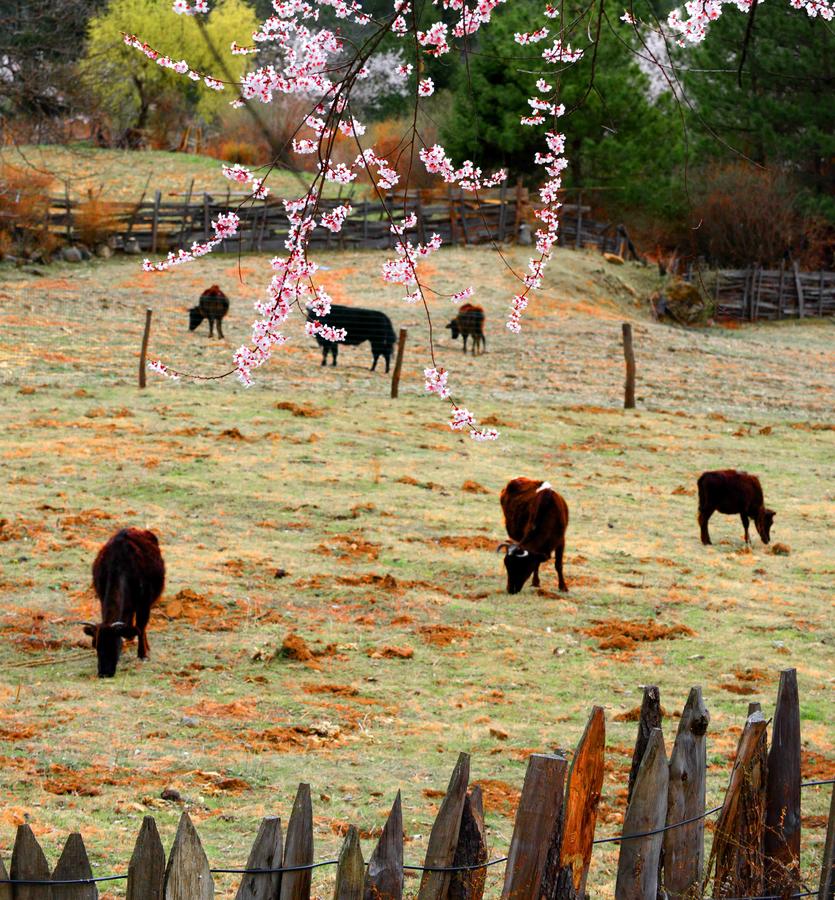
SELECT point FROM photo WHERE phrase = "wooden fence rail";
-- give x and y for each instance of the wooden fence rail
(756, 845)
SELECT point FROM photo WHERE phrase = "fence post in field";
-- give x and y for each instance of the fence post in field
(518, 211)
(155, 221)
(443, 839)
(74, 863)
(69, 211)
(578, 237)
(5, 889)
(534, 847)
(827, 885)
(29, 863)
(801, 311)
(639, 859)
(146, 871)
(471, 850)
(582, 796)
(143, 353)
(782, 809)
(186, 210)
(650, 719)
(206, 216)
(398, 363)
(737, 841)
(684, 847)
(502, 211)
(298, 848)
(350, 873)
(384, 877)
(265, 854)
(187, 876)
(629, 356)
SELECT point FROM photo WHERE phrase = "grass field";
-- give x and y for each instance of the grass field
(314, 504)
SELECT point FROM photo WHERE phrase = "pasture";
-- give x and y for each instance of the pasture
(313, 504)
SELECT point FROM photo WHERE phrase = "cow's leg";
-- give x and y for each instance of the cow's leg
(143, 647)
(387, 356)
(704, 517)
(211, 327)
(334, 351)
(464, 341)
(535, 581)
(745, 522)
(483, 344)
(475, 344)
(219, 329)
(376, 354)
(558, 554)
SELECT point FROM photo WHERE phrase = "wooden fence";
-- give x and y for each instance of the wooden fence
(755, 293)
(755, 851)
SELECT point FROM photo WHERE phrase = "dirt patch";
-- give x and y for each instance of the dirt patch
(84, 519)
(351, 546)
(618, 634)
(473, 487)
(293, 738)
(753, 674)
(340, 828)
(213, 783)
(779, 549)
(196, 610)
(499, 796)
(466, 542)
(387, 652)
(742, 689)
(816, 766)
(300, 410)
(232, 434)
(295, 647)
(387, 582)
(339, 690)
(443, 635)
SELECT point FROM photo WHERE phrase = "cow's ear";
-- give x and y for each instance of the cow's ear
(89, 629)
(125, 631)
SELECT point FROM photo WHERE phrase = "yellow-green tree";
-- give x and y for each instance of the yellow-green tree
(131, 87)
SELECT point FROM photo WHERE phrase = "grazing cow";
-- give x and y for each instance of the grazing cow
(360, 325)
(469, 323)
(536, 518)
(128, 577)
(731, 492)
(213, 305)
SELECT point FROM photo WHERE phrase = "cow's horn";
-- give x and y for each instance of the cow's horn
(504, 546)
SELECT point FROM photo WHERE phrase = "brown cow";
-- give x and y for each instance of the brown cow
(128, 577)
(213, 305)
(536, 518)
(469, 323)
(731, 492)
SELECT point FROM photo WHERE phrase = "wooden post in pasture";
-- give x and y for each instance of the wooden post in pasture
(738, 838)
(502, 210)
(350, 872)
(384, 877)
(471, 851)
(518, 220)
(782, 812)
(155, 221)
(534, 846)
(827, 885)
(206, 217)
(684, 846)
(68, 207)
(72, 865)
(398, 363)
(801, 311)
(443, 839)
(578, 224)
(143, 353)
(29, 863)
(780, 289)
(651, 718)
(298, 849)
(265, 854)
(5, 889)
(146, 870)
(647, 812)
(187, 876)
(629, 356)
(186, 211)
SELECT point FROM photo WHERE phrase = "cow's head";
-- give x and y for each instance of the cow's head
(764, 521)
(107, 641)
(453, 327)
(520, 564)
(195, 317)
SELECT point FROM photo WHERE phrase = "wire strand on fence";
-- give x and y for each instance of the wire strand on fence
(642, 834)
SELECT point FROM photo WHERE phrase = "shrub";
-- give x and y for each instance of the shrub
(24, 206)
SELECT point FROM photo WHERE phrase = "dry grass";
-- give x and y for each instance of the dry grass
(314, 505)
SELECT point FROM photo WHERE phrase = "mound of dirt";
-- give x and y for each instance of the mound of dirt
(618, 634)
(351, 545)
(386, 652)
(195, 609)
(295, 647)
(473, 487)
(443, 635)
(300, 410)
(499, 796)
(779, 549)
(339, 690)
(466, 542)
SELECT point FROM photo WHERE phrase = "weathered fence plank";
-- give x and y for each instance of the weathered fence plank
(5, 889)
(471, 850)
(650, 719)
(266, 853)
(443, 839)
(639, 859)
(29, 863)
(384, 878)
(187, 875)
(738, 839)
(536, 832)
(146, 870)
(350, 871)
(298, 847)
(684, 846)
(827, 884)
(582, 796)
(782, 812)
(72, 864)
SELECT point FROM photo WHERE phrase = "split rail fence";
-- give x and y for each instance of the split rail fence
(755, 853)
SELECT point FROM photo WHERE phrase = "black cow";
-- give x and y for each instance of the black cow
(733, 493)
(360, 325)
(213, 305)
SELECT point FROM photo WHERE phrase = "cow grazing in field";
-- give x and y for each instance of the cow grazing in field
(360, 325)
(213, 305)
(536, 518)
(469, 323)
(128, 577)
(731, 492)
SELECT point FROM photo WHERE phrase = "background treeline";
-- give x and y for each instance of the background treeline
(724, 151)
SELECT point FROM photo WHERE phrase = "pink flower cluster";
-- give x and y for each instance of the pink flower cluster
(183, 8)
(225, 226)
(468, 177)
(691, 25)
(158, 367)
(328, 332)
(181, 67)
(436, 382)
(242, 175)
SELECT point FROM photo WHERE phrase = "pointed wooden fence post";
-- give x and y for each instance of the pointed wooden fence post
(827, 885)
(737, 841)
(471, 851)
(298, 848)
(74, 863)
(647, 812)
(443, 839)
(5, 889)
(684, 852)
(146, 870)
(534, 848)
(782, 810)
(384, 879)
(350, 873)
(29, 863)
(650, 719)
(582, 796)
(187, 875)
(265, 854)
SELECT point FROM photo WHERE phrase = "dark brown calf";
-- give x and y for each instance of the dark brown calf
(469, 323)
(536, 518)
(213, 305)
(128, 577)
(733, 493)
